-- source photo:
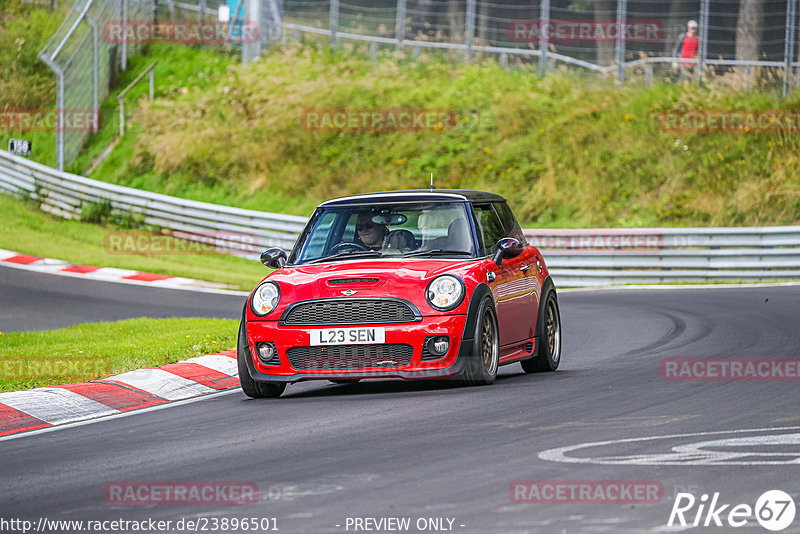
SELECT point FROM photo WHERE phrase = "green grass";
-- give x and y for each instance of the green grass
(26, 83)
(25, 229)
(98, 350)
(568, 150)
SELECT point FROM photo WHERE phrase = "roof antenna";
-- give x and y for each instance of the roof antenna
(431, 186)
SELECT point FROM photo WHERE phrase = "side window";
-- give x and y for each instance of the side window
(316, 245)
(510, 224)
(490, 228)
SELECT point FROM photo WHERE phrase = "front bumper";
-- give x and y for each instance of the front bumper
(413, 334)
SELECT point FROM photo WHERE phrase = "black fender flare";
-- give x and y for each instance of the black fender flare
(468, 336)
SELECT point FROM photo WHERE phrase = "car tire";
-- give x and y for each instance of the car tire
(481, 369)
(251, 388)
(548, 332)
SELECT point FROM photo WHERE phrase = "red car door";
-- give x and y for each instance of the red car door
(515, 287)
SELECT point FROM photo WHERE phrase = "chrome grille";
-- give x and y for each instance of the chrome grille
(349, 311)
(350, 356)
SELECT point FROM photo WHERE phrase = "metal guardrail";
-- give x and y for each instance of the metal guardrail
(596, 257)
(593, 257)
(66, 194)
(121, 97)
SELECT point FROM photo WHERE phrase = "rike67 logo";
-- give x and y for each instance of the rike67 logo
(774, 510)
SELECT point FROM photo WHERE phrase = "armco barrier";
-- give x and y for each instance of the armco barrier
(64, 194)
(593, 257)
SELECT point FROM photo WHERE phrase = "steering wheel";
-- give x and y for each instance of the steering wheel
(342, 247)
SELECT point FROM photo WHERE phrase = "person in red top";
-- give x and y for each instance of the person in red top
(686, 47)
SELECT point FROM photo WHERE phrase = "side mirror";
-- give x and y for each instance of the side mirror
(274, 258)
(507, 248)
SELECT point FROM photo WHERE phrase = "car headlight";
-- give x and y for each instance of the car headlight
(445, 292)
(265, 298)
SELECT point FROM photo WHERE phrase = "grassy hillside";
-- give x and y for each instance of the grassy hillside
(25, 82)
(568, 150)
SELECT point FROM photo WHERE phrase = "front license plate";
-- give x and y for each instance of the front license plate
(348, 336)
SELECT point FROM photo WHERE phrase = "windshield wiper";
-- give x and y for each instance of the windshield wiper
(437, 252)
(349, 254)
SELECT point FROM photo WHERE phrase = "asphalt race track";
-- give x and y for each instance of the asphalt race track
(324, 453)
(40, 301)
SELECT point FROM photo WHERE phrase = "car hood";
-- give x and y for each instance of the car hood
(403, 279)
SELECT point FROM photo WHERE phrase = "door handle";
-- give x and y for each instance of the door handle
(525, 268)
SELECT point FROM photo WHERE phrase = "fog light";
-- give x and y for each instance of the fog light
(268, 354)
(438, 345)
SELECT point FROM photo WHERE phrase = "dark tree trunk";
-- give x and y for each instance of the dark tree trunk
(748, 29)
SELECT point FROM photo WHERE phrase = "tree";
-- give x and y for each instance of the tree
(749, 29)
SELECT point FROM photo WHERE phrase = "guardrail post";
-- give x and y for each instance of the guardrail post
(648, 74)
(621, 23)
(202, 14)
(334, 21)
(702, 49)
(400, 23)
(789, 47)
(544, 35)
(469, 28)
(95, 72)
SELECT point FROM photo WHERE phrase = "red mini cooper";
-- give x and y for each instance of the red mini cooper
(428, 284)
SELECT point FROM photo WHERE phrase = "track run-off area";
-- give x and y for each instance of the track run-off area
(396, 456)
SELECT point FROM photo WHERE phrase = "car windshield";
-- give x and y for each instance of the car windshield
(385, 230)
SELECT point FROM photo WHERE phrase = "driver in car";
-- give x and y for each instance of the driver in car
(370, 233)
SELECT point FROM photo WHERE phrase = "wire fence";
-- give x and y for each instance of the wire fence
(84, 62)
(754, 38)
(754, 41)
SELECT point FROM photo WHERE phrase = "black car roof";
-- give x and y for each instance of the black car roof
(416, 195)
